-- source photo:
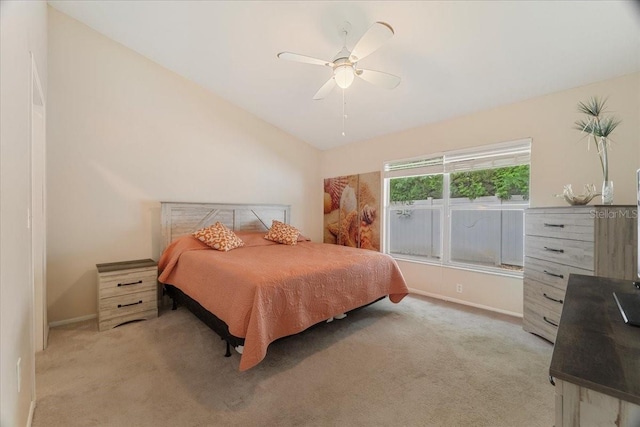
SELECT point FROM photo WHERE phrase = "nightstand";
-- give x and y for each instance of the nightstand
(127, 291)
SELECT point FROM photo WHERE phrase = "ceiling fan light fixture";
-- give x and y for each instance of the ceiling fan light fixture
(343, 76)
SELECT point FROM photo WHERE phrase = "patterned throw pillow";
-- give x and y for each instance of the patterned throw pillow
(219, 237)
(282, 233)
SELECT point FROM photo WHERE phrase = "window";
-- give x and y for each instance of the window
(463, 208)
(415, 216)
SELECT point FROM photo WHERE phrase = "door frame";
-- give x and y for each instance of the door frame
(37, 213)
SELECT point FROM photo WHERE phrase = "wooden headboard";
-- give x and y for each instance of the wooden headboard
(179, 219)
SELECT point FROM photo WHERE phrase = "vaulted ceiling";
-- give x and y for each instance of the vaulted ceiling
(454, 58)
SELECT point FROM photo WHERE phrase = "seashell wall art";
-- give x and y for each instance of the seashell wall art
(352, 210)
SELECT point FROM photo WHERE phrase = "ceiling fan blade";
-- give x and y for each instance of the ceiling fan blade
(325, 89)
(375, 36)
(378, 78)
(302, 58)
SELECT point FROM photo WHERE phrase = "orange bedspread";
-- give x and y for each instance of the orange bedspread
(265, 291)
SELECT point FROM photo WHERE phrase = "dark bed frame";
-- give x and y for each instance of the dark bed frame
(179, 298)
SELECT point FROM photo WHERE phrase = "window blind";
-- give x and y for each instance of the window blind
(505, 154)
(412, 167)
(512, 153)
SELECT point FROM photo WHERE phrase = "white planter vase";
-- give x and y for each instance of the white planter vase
(607, 184)
(607, 192)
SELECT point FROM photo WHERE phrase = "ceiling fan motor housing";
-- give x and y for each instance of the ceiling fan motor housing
(343, 69)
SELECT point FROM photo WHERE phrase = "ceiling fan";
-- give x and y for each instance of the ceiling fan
(345, 63)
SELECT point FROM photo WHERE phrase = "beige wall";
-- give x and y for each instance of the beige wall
(125, 134)
(23, 29)
(559, 157)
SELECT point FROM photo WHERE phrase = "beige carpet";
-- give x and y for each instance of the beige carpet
(418, 363)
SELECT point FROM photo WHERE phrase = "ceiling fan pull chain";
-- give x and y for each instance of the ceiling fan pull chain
(344, 112)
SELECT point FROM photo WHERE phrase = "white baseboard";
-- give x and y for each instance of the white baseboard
(32, 409)
(74, 320)
(471, 304)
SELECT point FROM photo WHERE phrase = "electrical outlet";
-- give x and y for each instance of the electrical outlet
(459, 288)
(18, 372)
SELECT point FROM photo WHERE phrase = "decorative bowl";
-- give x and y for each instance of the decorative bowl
(578, 199)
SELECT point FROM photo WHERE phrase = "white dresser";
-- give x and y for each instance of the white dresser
(127, 291)
(589, 240)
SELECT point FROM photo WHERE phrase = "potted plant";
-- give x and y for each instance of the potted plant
(598, 129)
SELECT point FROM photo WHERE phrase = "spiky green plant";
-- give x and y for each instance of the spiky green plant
(597, 128)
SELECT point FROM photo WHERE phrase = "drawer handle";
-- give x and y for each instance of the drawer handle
(546, 224)
(559, 251)
(545, 319)
(552, 381)
(552, 299)
(129, 284)
(553, 274)
(127, 305)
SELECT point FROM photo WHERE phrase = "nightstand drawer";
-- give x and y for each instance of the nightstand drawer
(570, 252)
(126, 304)
(127, 282)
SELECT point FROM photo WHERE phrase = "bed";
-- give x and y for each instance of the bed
(264, 291)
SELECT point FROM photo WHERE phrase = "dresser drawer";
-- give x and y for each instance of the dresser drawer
(570, 252)
(128, 281)
(551, 273)
(540, 321)
(542, 295)
(127, 304)
(574, 226)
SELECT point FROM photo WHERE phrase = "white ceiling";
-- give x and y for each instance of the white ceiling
(454, 58)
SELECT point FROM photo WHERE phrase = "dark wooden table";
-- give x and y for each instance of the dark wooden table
(594, 347)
